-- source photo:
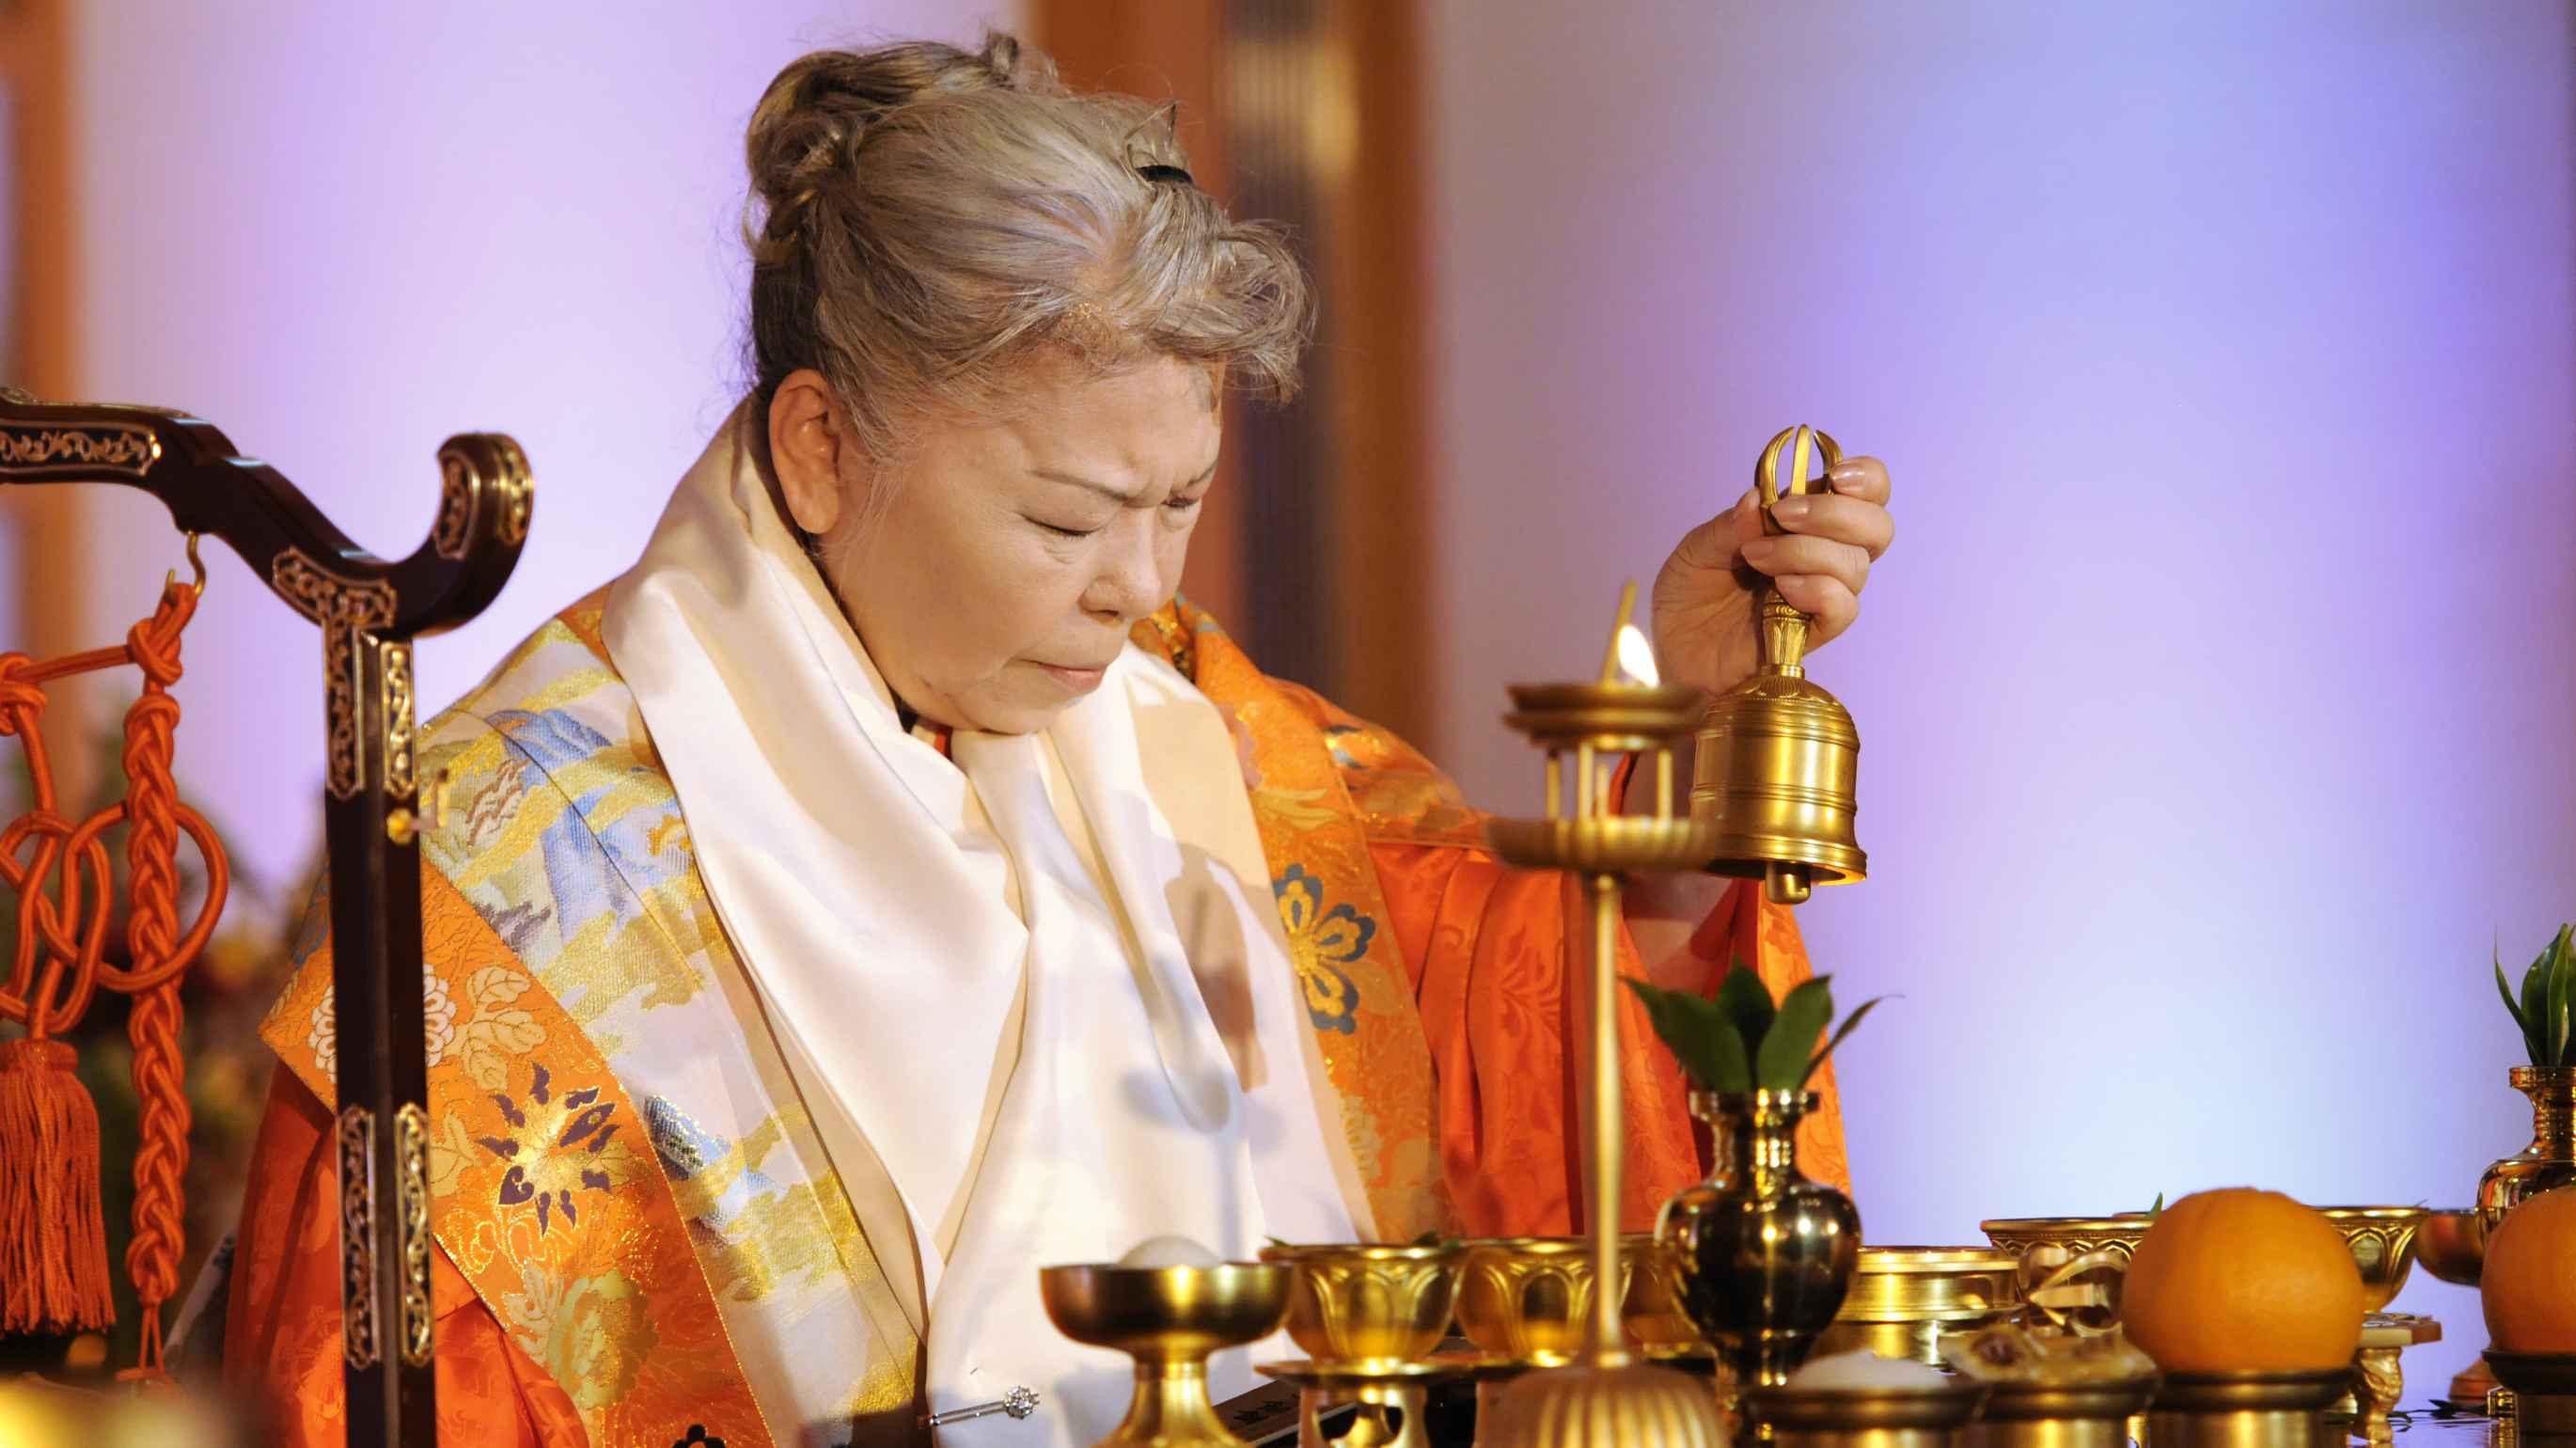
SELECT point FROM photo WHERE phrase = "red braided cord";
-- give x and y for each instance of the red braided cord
(152, 940)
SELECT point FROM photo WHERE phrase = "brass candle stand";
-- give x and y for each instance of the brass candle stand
(1607, 1395)
(1778, 758)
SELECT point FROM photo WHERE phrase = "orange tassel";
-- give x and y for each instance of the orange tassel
(53, 1234)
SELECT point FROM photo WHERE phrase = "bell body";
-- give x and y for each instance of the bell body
(1776, 782)
(1766, 1255)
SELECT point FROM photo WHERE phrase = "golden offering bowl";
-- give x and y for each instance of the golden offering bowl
(1168, 1319)
(1903, 1298)
(2452, 1246)
(2245, 1410)
(1652, 1309)
(1529, 1299)
(1862, 1417)
(2383, 1245)
(1368, 1306)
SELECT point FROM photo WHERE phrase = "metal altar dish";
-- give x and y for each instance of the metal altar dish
(2543, 1387)
(1903, 1298)
(2060, 1415)
(1651, 1309)
(1862, 1417)
(1362, 1306)
(1168, 1319)
(2245, 1410)
(1527, 1299)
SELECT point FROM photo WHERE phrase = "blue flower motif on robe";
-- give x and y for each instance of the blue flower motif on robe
(1321, 942)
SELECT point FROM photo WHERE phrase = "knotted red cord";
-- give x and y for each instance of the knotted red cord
(53, 1264)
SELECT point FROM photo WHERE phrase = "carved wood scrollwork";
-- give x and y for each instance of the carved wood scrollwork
(344, 607)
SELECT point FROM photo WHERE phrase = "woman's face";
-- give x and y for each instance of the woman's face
(1000, 572)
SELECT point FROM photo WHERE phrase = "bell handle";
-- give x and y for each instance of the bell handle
(1766, 471)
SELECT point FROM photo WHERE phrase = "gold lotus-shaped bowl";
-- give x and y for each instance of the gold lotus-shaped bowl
(1165, 1314)
(1368, 1306)
(1651, 1310)
(1529, 1299)
(2382, 1240)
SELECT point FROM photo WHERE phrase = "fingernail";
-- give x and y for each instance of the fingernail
(1792, 510)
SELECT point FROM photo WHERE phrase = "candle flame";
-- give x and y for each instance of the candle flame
(1636, 656)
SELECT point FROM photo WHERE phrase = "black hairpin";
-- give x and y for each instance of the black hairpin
(1165, 173)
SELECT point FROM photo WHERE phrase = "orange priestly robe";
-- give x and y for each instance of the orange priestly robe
(614, 1256)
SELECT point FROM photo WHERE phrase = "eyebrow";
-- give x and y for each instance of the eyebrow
(1116, 495)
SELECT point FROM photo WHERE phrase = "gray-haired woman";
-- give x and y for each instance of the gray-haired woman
(886, 887)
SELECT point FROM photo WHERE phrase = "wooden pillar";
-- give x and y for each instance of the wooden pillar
(1307, 111)
(41, 351)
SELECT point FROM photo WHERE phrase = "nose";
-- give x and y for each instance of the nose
(1129, 585)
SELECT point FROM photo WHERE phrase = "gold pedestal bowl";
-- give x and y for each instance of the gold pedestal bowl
(1168, 1319)
(1366, 1316)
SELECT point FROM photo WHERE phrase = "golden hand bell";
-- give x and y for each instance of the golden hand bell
(1778, 757)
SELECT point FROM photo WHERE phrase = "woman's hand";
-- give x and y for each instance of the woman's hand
(1704, 632)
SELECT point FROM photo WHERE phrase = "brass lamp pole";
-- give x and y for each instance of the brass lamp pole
(1607, 1396)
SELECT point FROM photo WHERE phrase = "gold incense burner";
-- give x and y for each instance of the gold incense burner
(1168, 1319)
(1903, 1299)
(1779, 759)
(1604, 1395)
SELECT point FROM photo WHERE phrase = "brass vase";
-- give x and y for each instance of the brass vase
(2550, 1160)
(1764, 1255)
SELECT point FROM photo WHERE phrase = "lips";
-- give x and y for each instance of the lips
(1081, 679)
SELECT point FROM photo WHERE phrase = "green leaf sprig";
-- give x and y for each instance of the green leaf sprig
(2548, 999)
(1743, 1039)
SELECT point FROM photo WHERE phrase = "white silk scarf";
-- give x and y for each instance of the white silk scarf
(1037, 987)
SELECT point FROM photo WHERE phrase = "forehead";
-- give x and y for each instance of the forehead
(1152, 418)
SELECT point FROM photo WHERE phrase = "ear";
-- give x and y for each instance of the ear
(810, 443)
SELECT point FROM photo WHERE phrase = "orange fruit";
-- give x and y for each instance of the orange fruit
(2243, 1281)
(2528, 1282)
